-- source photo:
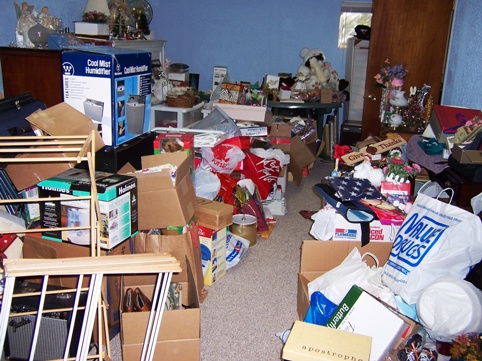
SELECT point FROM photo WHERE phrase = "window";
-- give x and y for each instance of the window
(351, 15)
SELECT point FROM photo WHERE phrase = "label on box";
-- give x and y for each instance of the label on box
(111, 87)
(347, 231)
(307, 341)
(213, 252)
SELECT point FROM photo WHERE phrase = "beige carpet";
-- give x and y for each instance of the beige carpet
(256, 299)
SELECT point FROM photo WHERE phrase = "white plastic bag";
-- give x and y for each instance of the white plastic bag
(435, 240)
(324, 223)
(336, 283)
(206, 184)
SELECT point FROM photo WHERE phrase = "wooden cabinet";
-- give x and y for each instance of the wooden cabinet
(38, 71)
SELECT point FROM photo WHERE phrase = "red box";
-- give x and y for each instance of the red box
(172, 142)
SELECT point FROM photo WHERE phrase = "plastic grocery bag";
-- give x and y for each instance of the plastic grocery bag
(435, 240)
(336, 283)
(236, 247)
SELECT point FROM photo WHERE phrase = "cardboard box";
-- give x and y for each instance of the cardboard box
(58, 120)
(213, 214)
(179, 335)
(326, 96)
(213, 252)
(302, 152)
(309, 342)
(118, 203)
(85, 28)
(163, 199)
(466, 156)
(318, 257)
(347, 231)
(112, 86)
(247, 113)
(185, 248)
(364, 314)
(36, 247)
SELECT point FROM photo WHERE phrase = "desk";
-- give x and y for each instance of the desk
(319, 110)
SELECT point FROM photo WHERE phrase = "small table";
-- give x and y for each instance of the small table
(319, 109)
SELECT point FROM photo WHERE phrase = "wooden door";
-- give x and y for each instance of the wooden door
(414, 33)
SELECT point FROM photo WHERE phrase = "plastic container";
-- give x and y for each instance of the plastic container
(244, 225)
(450, 307)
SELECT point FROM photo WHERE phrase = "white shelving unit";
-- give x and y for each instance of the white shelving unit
(355, 73)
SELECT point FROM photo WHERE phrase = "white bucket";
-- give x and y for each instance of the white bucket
(244, 225)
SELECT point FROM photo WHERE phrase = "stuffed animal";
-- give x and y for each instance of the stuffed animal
(318, 74)
(367, 171)
(313, 69)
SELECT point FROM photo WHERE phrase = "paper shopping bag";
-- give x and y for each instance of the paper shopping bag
(435, 240)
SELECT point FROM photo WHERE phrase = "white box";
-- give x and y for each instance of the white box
(85, 28)
(213, 251)
(179, 76)
(112, 86)
(219, 72)
(309, 342)
(361, 313)
(347, 231)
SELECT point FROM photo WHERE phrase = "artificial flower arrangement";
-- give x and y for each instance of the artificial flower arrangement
(94, 17)
(396, 169)
(391, 76)
(467, 347)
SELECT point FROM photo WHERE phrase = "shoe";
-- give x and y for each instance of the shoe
(141, 302)
(128, 304)
(307, 214)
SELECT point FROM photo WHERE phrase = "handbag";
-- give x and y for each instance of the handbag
(14, 110)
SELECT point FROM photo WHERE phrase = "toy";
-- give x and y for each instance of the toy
(367, 171)
(318, 74)
(313, 69)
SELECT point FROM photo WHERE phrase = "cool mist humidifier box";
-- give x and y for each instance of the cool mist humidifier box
(112, 86)
(117, 196)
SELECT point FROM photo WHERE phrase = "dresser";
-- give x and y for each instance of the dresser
(38, 71)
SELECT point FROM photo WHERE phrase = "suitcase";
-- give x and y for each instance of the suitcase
(14, 110)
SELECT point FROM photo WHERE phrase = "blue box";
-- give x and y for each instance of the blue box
(112, 86)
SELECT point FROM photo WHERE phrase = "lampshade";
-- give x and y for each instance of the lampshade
(97, 5)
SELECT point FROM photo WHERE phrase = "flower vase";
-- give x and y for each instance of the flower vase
(398, 99)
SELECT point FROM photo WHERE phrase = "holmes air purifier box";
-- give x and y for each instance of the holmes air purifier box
(117, 195)
(112, 87)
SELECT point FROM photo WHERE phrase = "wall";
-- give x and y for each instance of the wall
(464, 76)
(262, 37)
(251, 39)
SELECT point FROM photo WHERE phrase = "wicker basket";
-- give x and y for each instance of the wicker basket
(180, 101)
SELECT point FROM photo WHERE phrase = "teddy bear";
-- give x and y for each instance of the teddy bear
(313, 69)
(317, 73)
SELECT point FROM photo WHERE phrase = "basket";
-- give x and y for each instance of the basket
(180, 101)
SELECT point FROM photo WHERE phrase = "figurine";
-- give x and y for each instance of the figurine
(26, 18)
